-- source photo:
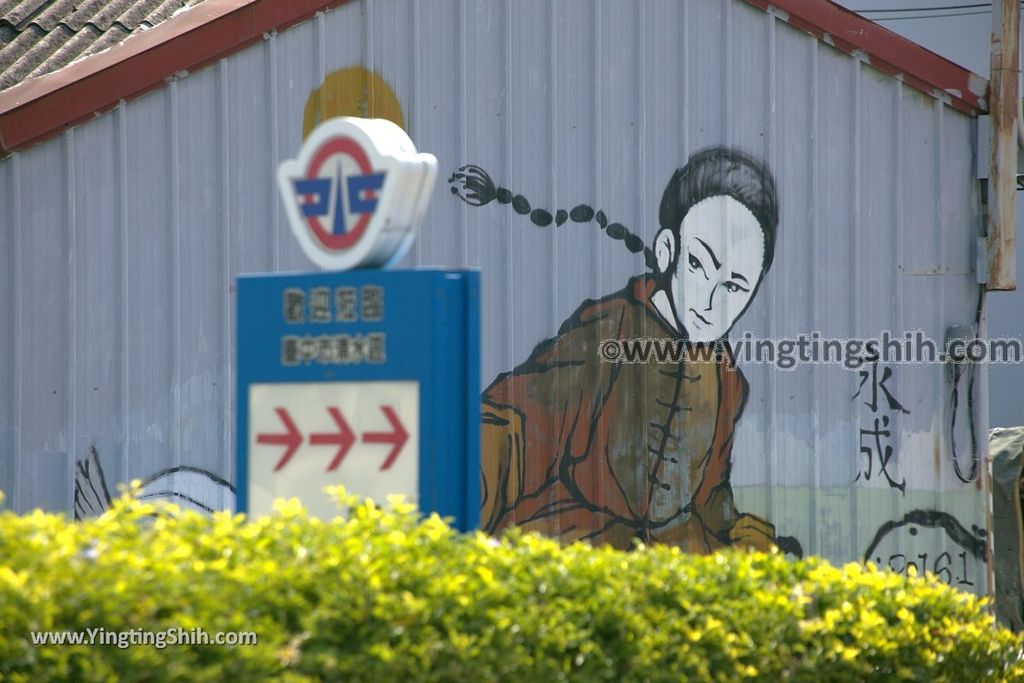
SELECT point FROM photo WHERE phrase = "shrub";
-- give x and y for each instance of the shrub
(389, 596)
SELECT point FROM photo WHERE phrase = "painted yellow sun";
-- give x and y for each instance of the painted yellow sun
(353, 91)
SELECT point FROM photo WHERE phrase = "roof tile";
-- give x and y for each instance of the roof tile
(17, 11)
(112, 12)
(40, 36)
(163, 10)
(53, 13)
(66, 53)
(83, 13)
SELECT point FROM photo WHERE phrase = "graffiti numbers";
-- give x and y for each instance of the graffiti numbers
(920, 540)
(950, 570)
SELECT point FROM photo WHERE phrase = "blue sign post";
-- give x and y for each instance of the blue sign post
(366, 378)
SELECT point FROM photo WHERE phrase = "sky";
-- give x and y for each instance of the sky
(964, 39)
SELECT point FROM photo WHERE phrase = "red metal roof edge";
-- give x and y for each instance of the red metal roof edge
(886, 51)
(45, 106)
(41, 107)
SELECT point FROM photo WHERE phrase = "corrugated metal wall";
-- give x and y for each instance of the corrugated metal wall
(121, 238)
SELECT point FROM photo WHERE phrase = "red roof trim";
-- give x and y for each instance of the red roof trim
(886, 51)
(42, 107)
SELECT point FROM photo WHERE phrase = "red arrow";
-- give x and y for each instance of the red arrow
(396, 437)
(343, 437)
(292, 439)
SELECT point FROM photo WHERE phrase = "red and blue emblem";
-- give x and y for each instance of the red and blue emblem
(356, 193)
(345, 200)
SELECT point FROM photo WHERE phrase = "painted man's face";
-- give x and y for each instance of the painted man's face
(718, 266)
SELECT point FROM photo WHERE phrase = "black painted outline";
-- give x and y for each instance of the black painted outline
(976, 543)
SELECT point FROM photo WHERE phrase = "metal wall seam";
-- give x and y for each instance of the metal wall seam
(897, 250)
(771, 417)
(597, 104)
(558, 274)
(727, 71)
(552, 121)
(176, 363)
(18, 319)
(229, 259)
(684, 47)
(414, 89)
(369, 63)
(461, 111)
(511, 178)
(273, 118)
(7, 319)
(816, 249)
(856, 504)
(641, 157)
(319, 47)
(70, 394)
(124, 324)
(945, 266)
(943, 269)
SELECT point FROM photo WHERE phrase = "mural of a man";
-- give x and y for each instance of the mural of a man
(582, 449)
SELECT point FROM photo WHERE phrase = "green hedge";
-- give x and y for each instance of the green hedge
(392, 597)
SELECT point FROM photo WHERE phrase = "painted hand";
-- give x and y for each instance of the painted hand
(472, 185)
(752, 532)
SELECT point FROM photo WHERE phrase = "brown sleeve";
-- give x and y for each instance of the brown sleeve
(541, 413)
(501, 462)
(713, 499)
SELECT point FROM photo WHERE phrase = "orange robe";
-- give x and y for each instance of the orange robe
(578, 448)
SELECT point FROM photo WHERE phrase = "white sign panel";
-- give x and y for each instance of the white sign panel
(303, 437)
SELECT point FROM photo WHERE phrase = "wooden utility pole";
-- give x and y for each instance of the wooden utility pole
(1004, 103)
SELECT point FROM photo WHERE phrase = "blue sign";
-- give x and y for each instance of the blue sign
(369, 379)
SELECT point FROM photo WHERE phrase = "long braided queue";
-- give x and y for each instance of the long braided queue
(474, 186)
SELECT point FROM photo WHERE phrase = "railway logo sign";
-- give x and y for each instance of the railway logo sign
(359, 376)
(357, 193)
